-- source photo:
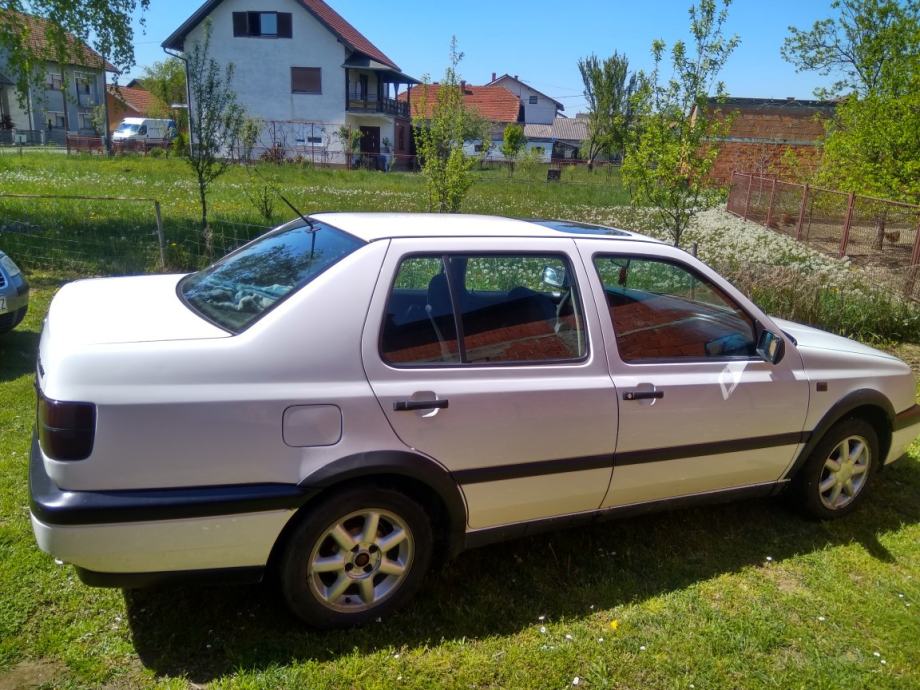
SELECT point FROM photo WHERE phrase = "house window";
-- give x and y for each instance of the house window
(84, 84)
(54, 81)
(55, 119)
(86, 121)
(262, 24)
(306, 80)
(533, 100)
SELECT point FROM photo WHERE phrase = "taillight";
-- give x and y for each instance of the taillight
(66, 429)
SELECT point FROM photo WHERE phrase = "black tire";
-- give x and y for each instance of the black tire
(304, 590)
(9, 321)
(807, 486)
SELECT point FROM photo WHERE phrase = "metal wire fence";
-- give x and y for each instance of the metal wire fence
(879, 235)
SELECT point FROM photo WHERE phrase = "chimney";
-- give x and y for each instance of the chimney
(494, 76)
(515, 76)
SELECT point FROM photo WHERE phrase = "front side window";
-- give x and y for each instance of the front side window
(483, 309)
(251, 281)
(665, 311)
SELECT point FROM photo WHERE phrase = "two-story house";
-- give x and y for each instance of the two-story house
(61, 98)
(539, 109)
(305, 72)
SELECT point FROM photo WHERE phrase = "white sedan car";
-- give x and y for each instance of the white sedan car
(348, 399)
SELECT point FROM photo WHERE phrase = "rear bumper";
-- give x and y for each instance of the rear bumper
(905, 429)
(138, 537)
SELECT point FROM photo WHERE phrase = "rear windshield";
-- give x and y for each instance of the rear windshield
(251, 281)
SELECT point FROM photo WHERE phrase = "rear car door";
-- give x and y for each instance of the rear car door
(700, 411)
(486, 355)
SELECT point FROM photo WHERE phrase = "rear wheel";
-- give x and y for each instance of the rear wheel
(357, 555)
(836, 476)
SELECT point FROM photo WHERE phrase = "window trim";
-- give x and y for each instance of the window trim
(307, 93)
(458, 326)
(757, 327)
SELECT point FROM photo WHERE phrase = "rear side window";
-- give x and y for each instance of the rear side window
(483, 309)
(665, 311)
(251, 281)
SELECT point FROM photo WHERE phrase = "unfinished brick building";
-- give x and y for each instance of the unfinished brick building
(763, 130)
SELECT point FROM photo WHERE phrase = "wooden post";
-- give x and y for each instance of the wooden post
(770, 207)
(747, 202)
(799, 226)
(161, 237)
(845, 239)
(914, 267)
(731, 190)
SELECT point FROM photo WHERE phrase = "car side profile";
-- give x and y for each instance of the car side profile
(353, 397)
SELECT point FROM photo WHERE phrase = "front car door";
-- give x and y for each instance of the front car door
(486, 354)
(700, 411)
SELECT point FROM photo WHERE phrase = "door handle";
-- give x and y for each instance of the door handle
(410, 405)
(643, 395)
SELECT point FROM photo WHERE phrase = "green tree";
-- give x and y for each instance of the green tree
(166, 80)
(671, 152)
(866, 45)
(442, 125)
(103, 24)
(216, 119)
(350, 138)
(513, 141)
(609, 89)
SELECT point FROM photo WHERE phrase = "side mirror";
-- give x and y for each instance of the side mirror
(554, 277)
(771, 347)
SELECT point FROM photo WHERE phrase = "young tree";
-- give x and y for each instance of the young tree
(671, 152)
(216, 119)
(513, 142)
(103, 24)
(609, 91)
(350, 138)
(441, 129)
(866, 45)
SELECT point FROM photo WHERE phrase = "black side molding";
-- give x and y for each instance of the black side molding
(55, 506)
(224, 576)
(907, 418)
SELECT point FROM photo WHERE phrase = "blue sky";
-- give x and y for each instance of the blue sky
(541, 40)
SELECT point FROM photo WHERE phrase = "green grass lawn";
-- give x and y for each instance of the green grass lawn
(745, 595)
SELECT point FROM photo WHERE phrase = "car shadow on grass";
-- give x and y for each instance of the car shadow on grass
(17, 353)
(205, 632)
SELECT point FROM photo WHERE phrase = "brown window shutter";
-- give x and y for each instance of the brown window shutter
(306, 80)
(240, 24)
(284, 25)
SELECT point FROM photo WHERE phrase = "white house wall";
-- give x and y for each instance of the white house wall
(543, 113)
(262, 66)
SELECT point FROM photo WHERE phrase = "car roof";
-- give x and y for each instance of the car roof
(378, 226)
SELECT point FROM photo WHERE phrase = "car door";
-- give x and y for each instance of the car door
(700, 411)
(486, 355)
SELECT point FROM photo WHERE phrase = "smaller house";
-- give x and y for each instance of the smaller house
(539, 108)
(495, 104)
(560, 141)
(131, 101)
(64, 96)
(764, 129)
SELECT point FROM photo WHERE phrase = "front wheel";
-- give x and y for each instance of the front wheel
(355, 556)
(838, 471)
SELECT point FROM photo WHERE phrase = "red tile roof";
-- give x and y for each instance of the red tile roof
(331, 19)
(139, 100)
(36, 31)
(494, 103)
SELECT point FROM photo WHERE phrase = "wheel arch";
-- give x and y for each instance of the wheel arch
(866, 403)
(415, 475)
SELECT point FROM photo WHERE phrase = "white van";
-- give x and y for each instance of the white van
(144, 129)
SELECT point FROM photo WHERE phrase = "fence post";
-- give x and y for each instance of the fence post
(731, 190)
(747, 202)
(161, 237)
(800, 225)
(770, 208)
(914, 267)
(845, 239)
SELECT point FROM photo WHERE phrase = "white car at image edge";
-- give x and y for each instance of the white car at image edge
(352, 398)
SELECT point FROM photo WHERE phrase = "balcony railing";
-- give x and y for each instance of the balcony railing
(388, 106)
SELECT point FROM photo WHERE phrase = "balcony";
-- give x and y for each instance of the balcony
(387, 106)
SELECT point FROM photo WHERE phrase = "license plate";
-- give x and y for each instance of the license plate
(2, 305)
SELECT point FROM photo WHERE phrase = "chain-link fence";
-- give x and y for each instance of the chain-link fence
(880, 236)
